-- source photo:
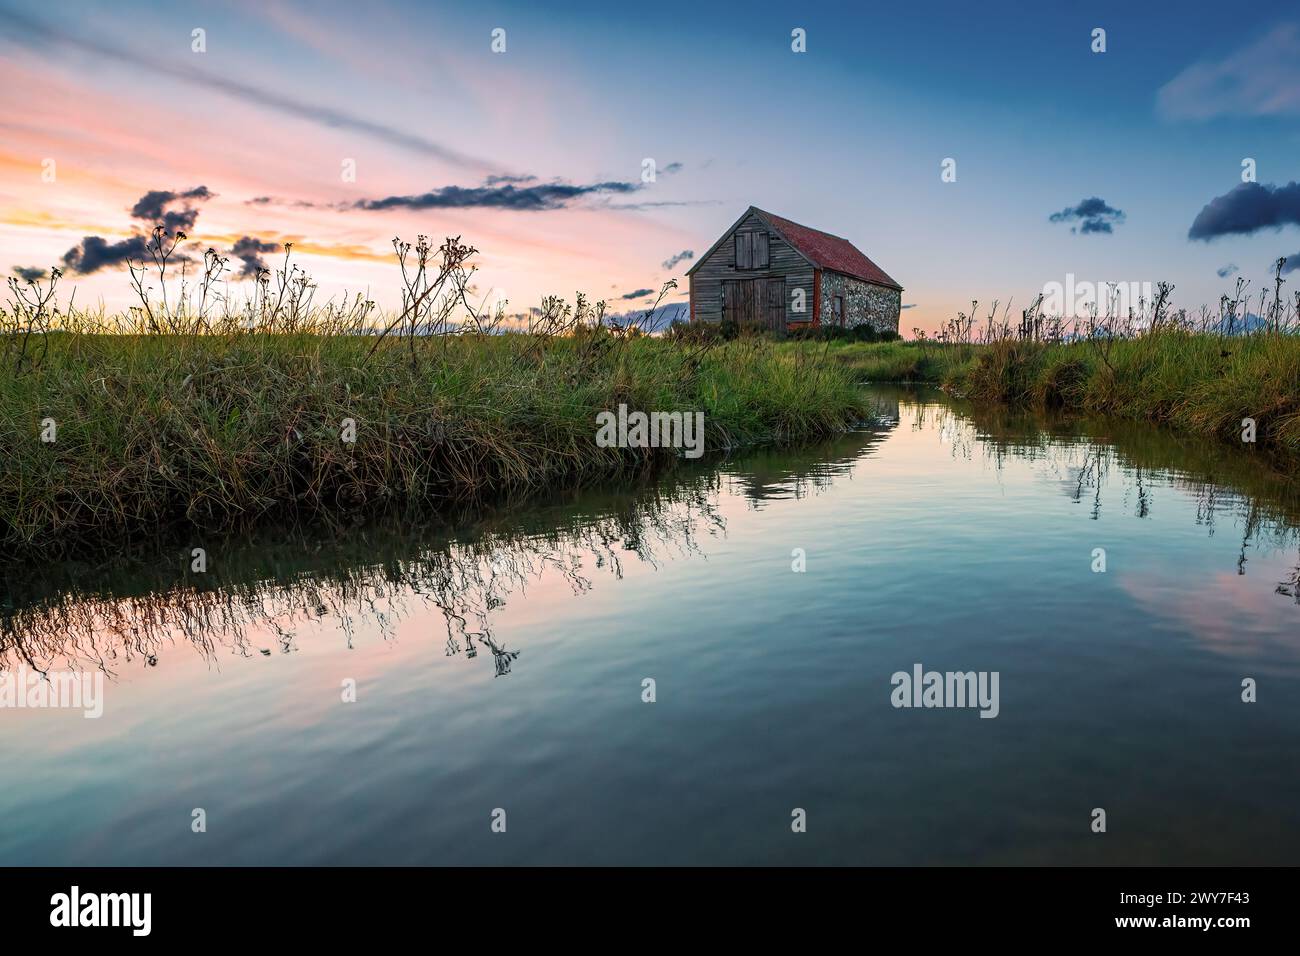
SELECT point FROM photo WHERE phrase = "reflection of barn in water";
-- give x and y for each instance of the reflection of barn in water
(776, 473)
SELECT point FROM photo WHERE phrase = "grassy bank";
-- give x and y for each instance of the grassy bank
(1200, 383)
(891, 361)
(202, 432)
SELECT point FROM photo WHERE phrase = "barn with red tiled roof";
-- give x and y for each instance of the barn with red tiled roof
(773, 272)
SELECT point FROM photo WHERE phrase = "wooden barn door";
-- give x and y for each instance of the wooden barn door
(774, 313)
(738, 301)
(730, 300)
(754, 302)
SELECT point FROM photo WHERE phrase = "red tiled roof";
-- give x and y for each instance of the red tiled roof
(829, 252)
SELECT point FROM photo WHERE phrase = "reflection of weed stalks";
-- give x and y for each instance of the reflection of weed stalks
(362, 584)
(1291, 586)
(1133, 463)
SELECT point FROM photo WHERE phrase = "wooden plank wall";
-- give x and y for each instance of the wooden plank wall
(784, 262)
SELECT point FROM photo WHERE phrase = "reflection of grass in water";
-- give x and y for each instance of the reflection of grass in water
(130, 608)
(1255, 494)
(284, 583)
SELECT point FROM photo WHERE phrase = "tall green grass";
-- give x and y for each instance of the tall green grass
(1198, 382)
(1204, 384)
(200, 432)
(885, 361)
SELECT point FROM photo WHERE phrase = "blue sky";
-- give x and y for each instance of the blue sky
(847, 137)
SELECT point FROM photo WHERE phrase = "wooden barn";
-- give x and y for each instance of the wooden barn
(770, 271)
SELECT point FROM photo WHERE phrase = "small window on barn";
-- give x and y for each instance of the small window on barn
(744, 250)
(838, 306)
(751, 250)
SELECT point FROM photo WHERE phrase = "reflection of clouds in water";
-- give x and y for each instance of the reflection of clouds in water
(1230, 615)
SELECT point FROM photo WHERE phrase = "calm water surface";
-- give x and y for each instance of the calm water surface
(499, 664)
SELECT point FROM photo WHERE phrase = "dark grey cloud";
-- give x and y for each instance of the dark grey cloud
(638, 294)
(910, 305)
(684, 256)
(543, 196)
(673, 168)
(1292, 264)
(1224, 271)
(30, 273)
(153, 207)
(500, 180)
(1093, 215)
(519, 193)
(152, 203)
(249, 251)
(156, 207)
(49, 39)
(95, 252)
(1248, 208)
(656, 205)
(277, 201)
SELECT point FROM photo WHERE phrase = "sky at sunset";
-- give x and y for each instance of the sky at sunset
(1120, 166)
